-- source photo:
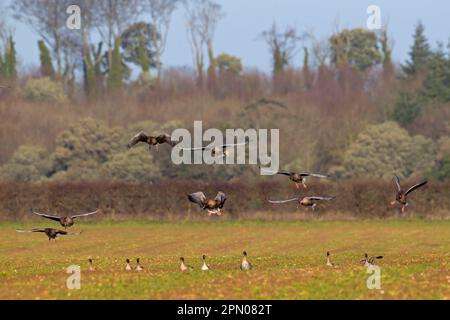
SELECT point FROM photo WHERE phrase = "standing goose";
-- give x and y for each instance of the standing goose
(329, 263)
(219, 151)
(205, 267)
(245, 264)
(305, 201)
(151, 140)
(138, 265)
(51, 233)
(66, 221)
(183, 266)
(128, 266)
(299, 177)
(401, 196)
(212, 206)
(91, 267)
(369, 261)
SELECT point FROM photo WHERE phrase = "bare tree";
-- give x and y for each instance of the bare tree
(202, 19)
(160, 14)
(282, 45)
(48, 19)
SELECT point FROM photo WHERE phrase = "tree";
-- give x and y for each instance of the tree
(282, 46)
(436, 86)
(228, 64)
(138, 46)
(202, 19)
(48, 19)
(406, 109)
(116, 73)
(419, 54)
(386, 149)
(386, 49)
(28, 163)
(160, 13)
(357, 48)
(47, 69)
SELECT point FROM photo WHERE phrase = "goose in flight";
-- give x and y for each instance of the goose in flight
(65, 221)
(299, 177)
(4, 87)
(369, 261)
(51, 233)
(402, 194)
(219, 151)
(151, 140)
(211, 206)
(245, 264)
(305, 201)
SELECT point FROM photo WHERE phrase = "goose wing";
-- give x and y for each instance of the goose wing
(316, 175)
(32, 230)
(47, 216)
(165, 138)
(198, 198)
(85, 214)
(320, 198)
(282, 201)
(230, 145)
(284, 172)
(221, 198)
(195, 149)
(416, 186)
(397, 183)
(140, 137)
(67, 233)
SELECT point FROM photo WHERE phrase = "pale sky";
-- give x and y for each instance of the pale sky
(238, 33)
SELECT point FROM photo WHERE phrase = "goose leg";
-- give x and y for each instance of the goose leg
(403, 209)
(296, 184)
(157, 148)
(314, 207)
(209, 213)
(219, 213)
(304, 185)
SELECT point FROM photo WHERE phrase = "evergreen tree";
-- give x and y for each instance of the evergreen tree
(387, 53)
(436, 86)
(47, 69)
(419, 54)
(115, 76)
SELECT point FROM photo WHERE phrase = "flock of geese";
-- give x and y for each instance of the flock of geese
(214, 206)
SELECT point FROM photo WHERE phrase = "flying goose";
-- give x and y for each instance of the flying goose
(51, 233)
(219, 151)
(402, 194)
(245, 264)
(151, 140)
(205, 267)
(212, 206)
(183, 266)
(138, 265)
(66, 221)
(305, 201)
(4, 87)
(299, 177)
(329, 263)
(369, 261)
(128, 267)
(91, 267)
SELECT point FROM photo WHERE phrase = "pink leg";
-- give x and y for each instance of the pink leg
(209, 213)
(296, 184)
(219, 213)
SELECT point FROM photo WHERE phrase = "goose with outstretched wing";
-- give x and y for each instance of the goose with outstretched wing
(401, 195)
(299, 177)
(218, 151)
(51, 233)
(142, 137)
(308, 202)
(212, 206)
(65, 221)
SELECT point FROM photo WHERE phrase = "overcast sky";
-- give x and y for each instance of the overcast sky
(238, 33)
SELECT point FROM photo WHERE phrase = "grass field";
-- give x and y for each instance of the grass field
(288, 259)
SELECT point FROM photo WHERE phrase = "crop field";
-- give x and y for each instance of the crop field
(288, 260)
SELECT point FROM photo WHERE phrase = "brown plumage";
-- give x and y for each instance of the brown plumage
(67, 220)
(212, 206)
(299, 177)
(51, 233)
(401, 195)
(304, 201)
(151, 140)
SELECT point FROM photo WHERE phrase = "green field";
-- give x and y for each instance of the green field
(288, 259)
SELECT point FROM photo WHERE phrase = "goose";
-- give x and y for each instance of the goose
(205, 267)
(211, 206)
(245, 264)
(128, 267)
(91, 267)
(151, 140)
(138, 265)
(183, 266)
(305, 201)
(299, 177)
(4, 87)
(65, 221)
(51, 233)
(219, 151)
(369, 261)
(402, 194)
(329, 263)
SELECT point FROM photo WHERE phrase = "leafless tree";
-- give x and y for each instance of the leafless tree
(282, 45)
(160, 12)
(202, 19)
(48, 19)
